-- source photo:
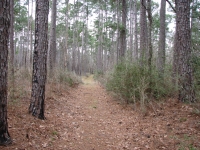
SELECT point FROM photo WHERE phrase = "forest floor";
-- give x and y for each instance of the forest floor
(88, 118)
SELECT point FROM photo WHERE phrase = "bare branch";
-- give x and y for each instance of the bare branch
(171, 6)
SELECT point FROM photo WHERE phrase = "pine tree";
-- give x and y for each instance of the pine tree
(39, 59)
(183, 47)
(4, 38)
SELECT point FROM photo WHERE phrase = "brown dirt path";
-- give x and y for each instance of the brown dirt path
(87, 118)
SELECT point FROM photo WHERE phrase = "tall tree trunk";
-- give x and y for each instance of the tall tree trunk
(100, 50)
(20, 55)
(112, 51)
(4, 39)
(150, 47)
(123, 31)
(61, 59)
(23, 63)
(66, 35)
(28, 35)
(74, 41)
(136, 32)
(82, 47)
(39, 59)
(161, 49)
(105, 48)
(143, 32)
(12, 51)
(86, 52)
(175, 62)
(118, 30)
(52, 46)
(25, 49)
(131, 28)
(183, 41)
(31, 37)
(79, 61)
(74, 51)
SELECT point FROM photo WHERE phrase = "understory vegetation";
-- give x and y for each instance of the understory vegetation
(134, 83)
(196, 66)
(22, 83)
(65, 77)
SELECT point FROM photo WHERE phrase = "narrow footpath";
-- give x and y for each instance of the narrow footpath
(98, 122)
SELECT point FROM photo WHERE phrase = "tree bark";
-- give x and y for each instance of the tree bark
(28, 36)
(183, 45)
(39, 59)
(136, 32)
(118, 30)
(52, 46)
(162, 36)
(131, 29)
(5, 138)
(123, 31)
(66, 61)
(150, 22)
(143, 32)
(100, 50)
(12, 46)
(82, 47)
(84, 67)
(74, 41)
(150, 47)
(31, 37)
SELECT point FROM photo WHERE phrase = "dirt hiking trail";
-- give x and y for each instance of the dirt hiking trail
(88, 118)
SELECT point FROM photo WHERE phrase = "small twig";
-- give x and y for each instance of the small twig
(171, 6)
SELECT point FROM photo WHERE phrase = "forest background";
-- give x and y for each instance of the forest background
(95, 36)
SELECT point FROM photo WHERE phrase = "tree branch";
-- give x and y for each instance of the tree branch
(171, 6)
(144, 6)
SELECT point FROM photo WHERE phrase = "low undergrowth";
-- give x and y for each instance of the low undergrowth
(21, 89)
(134, 83)
(64, 77)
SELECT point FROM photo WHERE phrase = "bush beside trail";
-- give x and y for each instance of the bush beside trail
(135, 83)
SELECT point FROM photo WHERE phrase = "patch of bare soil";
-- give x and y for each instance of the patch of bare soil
(87, 118)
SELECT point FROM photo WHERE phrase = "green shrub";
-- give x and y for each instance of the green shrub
(196, 68)
(98, 75)
(134, 83)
